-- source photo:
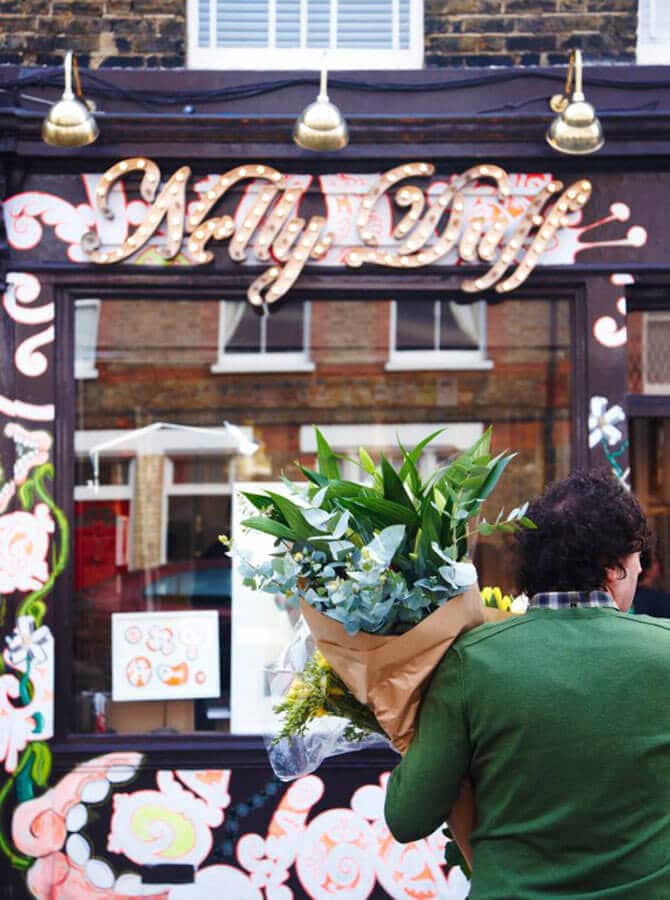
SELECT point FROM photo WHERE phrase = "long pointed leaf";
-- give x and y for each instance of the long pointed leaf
(293, 516)
(326, 457)
(270, 526)
(394, 489)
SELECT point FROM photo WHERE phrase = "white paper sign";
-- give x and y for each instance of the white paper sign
(165, 655)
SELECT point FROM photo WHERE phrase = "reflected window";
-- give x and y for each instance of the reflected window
(149, 514)
(438, 334)
(86, 318)
(653, 33)
(276, 342)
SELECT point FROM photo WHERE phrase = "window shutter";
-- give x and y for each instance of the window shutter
(366, 25)
(309, 24)
(242, 23)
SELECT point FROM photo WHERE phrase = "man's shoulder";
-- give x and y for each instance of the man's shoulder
(514, 627)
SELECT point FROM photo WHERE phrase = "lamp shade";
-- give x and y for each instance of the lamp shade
(69, 123)
(576, 130)
(321, 126)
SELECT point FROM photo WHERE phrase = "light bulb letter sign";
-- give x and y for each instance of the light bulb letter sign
(468, 215)
(169, 206)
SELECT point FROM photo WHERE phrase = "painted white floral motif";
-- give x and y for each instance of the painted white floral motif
(22, 290)
(28, 649)
(17, 722)
(32, 450)
(606, 329)
(27, 643)
(603, 422)
(163, 826)
(24, 544)
(345, 852)
(210, 784)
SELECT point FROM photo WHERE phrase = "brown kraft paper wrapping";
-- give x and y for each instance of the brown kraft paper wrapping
(389, 673)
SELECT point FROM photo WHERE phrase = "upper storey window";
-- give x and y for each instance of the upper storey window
(294, 34)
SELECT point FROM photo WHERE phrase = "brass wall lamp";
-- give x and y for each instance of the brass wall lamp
(70, 123)
(321, 126)
(576, 129)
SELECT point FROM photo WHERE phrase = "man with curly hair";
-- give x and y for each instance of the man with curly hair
(560, 717)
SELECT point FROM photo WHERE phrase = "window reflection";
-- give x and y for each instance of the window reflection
(157, 473)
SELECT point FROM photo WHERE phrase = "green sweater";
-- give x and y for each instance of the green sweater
(562, 719)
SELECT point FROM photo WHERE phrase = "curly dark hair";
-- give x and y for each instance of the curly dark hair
(585, 525)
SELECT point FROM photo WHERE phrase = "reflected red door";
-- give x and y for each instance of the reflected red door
(100, 541)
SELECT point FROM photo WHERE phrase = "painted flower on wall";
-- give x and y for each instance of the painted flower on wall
(52, 829)
(168, 825)
(24, 544)
(603, 422)
(27, 643)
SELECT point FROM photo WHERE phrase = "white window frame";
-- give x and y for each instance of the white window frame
(281, 58)
(346, 439)
(86, 368)
(262, 361)
(413, 360)
(653, 42)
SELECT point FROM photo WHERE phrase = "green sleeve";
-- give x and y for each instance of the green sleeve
(423, 788)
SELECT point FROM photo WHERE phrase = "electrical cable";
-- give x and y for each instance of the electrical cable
(97, 86)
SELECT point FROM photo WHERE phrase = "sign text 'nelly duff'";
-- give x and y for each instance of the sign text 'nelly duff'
(481, 215)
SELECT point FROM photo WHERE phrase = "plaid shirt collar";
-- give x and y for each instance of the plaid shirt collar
(567, 599)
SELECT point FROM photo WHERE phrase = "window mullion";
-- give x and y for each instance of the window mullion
(304, 12)
(272, 24)
(264, 334)
(332, 42)
(213, 16)
(437, 309)
(395, 24)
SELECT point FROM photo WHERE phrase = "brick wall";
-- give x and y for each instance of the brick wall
(103, 33)
(152, 33)
(528, 32)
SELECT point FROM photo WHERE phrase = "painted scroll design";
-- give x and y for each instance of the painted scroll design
(33, 553)
(343, 852)
(512, 223)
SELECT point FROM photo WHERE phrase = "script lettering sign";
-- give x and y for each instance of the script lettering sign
(433, 223)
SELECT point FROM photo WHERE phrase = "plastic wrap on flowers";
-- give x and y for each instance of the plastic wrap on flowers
(307, 697)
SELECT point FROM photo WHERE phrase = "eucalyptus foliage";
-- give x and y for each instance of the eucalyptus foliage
(380, 557)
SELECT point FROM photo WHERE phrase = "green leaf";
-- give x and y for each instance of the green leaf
(367, 463)
(293, 516)
(414, 455)
(41, 764)
(326, 457)
(314, 477)
(394, 489)
(383, 512)
(270, 526)
(499, 466)
(528, 523)
(260, 501)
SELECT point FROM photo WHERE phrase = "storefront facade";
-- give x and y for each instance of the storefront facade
(447, 271)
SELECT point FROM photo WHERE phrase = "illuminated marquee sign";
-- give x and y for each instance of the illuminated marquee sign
(437, 223)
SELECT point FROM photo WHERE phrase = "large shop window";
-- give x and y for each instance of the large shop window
(166, 638)
(290, 34)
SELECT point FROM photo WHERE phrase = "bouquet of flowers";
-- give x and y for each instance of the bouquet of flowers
(381, 575)
(380, 572)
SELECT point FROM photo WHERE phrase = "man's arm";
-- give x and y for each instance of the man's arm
(424, 786)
